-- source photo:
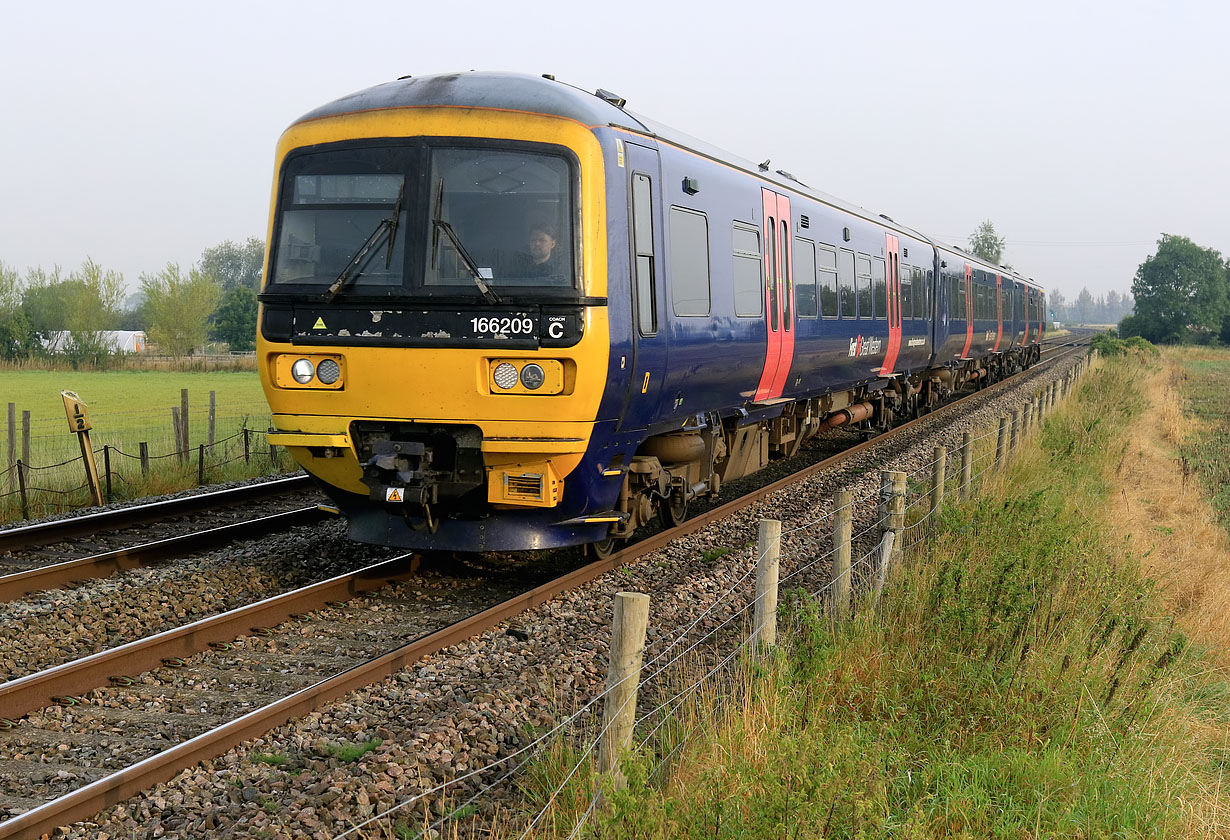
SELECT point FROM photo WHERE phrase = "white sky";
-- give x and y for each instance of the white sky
(141, 133)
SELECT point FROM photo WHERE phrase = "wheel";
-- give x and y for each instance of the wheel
(603, 548)
(674, 510)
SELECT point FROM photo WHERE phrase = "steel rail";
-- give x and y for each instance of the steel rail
(42, 533)
(18, 584)
(110, 790)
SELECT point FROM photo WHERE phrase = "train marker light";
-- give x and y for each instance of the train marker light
(328, 371)
(532, 376)
(302, 371)
(505, 375)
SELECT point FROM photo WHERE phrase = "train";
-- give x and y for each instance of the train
(501, 313)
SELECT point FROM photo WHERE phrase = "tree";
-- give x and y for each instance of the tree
(1181, 292)
(92, 300)
(17, 339)
(235, 320)
(232, 265)
(1083, 308)
(985, 244)
(45, 308)
(178, 307)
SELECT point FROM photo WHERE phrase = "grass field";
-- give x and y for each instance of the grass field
(127, 408)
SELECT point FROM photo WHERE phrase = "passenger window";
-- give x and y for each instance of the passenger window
(845, 277)
(749, 299)
(826, 266)
(689, 262)
(805, 278)
(862, 284)
(907, 292)
(920, 294)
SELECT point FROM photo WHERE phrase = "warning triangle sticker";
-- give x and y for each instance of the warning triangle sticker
(319, 325)
(392, 494)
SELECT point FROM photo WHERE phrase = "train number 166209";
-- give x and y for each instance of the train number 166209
(496, 325)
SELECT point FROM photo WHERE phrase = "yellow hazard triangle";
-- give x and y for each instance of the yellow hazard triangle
(319, 325)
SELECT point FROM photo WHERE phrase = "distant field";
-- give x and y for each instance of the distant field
(128, 408)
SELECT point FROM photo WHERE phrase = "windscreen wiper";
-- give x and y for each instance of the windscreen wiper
(438, 224)
(387, 228)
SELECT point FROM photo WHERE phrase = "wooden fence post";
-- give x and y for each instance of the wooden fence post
(843, 531)
(967, 465)
(184, 441)
(107, 468)
(622, 681)
(1028, 419)
(200, 465)
(247, 455)
(273, 454)
(937, 479)
(768, 553)
(892, 494)
(1001, 444)
(212, 409)
(144, 459)
(1016, 429)
(12, 445)
(25, 436)
(21, 484)
(177, 436)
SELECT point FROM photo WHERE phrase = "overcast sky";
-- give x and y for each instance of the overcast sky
(142, 133)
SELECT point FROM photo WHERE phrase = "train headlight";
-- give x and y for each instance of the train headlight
(302, 371)
(505, 375)
(328, 371)
(532, 377)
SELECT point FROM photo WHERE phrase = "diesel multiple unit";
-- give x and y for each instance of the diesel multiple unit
(501, 313)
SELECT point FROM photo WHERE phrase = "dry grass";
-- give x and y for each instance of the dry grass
(1165, 516)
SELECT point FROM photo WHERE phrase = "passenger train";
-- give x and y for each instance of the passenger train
(502, 313)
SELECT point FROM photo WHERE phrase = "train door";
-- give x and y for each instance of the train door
(649, 328)
(969, 310)
(779, 296)
(999, 311)
(893, 256)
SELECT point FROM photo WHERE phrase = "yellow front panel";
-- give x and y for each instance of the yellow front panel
(452, 385)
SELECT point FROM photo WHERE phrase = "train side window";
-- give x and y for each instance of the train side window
(787, 275)
(920, 293)
(953, 313)
(879, 286)
(826, 268)
(862, 285)
(845, 277)
(745, 242)
(642, 233)
(907, 291)
(689, 261)
(805, 303)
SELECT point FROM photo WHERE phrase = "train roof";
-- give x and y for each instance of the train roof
(545, 95)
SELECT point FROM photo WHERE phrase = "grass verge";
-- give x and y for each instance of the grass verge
(1023, 677)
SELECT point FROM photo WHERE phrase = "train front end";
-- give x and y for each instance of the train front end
(433, 336)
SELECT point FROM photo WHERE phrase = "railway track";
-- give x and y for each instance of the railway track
(224, 656)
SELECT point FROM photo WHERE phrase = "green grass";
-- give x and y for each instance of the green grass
(349, 753)
(1207, 453)
(1019, 679)
(127, 408)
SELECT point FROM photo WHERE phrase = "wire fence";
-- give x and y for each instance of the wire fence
(714, 644)
(133, 453)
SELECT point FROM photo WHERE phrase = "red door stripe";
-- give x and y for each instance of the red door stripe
(893, 268)
(969, 322)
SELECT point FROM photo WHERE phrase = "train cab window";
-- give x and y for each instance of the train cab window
(503, 214)
(862, 285)
(845, 280)
(689, 262)
(805, 278)
(749, 299)
(826, 278)
(879, 286)
(907, 291)
(642, 235)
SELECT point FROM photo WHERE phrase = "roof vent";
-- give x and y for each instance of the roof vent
(550, 77)
(614, 98)
(890, 218)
